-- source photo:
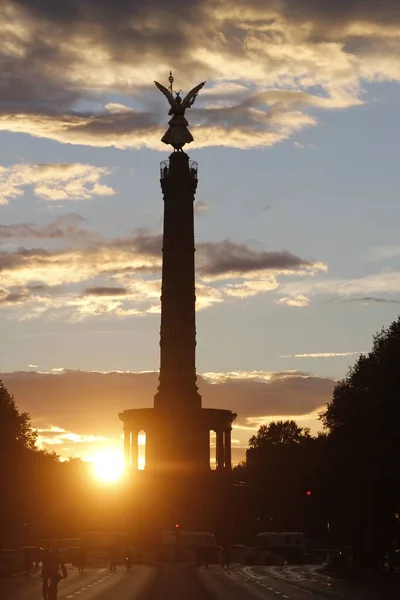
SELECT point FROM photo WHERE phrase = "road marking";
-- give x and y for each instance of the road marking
(304, 590)
(276, 592)
(271, 589)
(284, 596)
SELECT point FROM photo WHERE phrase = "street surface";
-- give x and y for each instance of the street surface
(184, 582)
(305, 582)
(93, 584)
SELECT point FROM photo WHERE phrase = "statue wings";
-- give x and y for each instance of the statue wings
(189, 98)
(166, 93)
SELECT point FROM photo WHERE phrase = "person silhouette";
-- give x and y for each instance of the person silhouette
(81, 559)
(52, 562)
(226, 558)
(113, 559)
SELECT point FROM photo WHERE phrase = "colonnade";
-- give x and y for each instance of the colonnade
(223, 454)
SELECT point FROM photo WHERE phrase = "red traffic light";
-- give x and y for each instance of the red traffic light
(308, 493)
(177, 526)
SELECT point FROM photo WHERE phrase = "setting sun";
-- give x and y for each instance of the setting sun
(108, 465)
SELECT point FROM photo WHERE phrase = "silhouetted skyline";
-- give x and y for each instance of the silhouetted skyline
(296, 214)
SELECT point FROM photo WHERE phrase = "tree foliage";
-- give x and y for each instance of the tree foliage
(16, 431)
(351, 470)
(279, 432)
(366, 403)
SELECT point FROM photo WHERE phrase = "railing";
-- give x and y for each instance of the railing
(164, 169)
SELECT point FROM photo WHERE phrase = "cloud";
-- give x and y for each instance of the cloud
(269, 64)
(299, 300)
(67, 226)
(321, 355)
(227, 258)
(304, 146)
(53, 181)
(255, 396)
(372, 300)
(105, 291)
(238, 126)
(121, 276)
(346, 289)
(201, 207)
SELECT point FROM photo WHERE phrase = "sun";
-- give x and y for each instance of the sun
(108, 465)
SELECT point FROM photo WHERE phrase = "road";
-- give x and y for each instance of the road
(183, 582)
(93, 584)
(305, 582)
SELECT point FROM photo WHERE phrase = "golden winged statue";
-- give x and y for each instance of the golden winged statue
(178, 133)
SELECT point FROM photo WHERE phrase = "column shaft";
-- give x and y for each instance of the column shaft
(178, 297)
(228, 451)
(220, 450)
(207, 450)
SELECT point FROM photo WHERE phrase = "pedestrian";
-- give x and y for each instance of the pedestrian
(207, 551)
(226, 558)
(113, 560)
(81, 559)
(128, 559)
(52, 563)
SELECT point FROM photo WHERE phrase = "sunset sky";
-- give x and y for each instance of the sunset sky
(298, 254)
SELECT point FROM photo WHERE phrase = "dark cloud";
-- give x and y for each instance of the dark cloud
(106, 394)
(141, 253)
(105, 291)
(332, 12)
(146, 243)
(286, 393)
(224, 257)
(55, 54)
(20, 294)
(13, 298)
(66, 226)
(118, 16)
(368, 299)
(236, 125)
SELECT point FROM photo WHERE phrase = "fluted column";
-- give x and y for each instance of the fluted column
(220, 458)
(127, 447)
(228, 451)
(207, 450)
(178, 387)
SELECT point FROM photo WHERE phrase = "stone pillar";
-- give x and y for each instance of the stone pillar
(228, 452)
(207, 450)
(134, 451)
(127, 447)
(220, 449)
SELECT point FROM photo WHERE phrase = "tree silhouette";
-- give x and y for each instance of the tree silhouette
(16, 431)
(279, 432)
(362, 421)
(283, 462)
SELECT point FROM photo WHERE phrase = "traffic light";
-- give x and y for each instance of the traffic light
(308, 492)
(177, 527)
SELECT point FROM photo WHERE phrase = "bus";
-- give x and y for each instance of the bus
(190, 545)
